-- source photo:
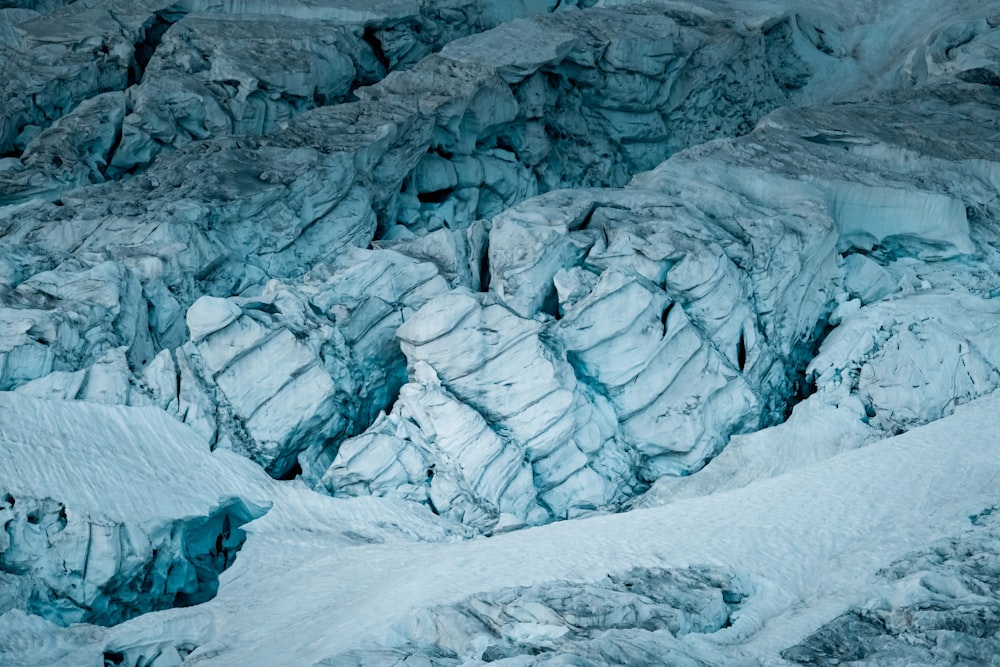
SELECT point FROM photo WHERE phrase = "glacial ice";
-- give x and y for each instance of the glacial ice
(633, 616)
(100, 539)
(911, 360)
(800, 549)
(939, 608)
(632, 333)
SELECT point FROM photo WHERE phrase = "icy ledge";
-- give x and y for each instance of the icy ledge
(110, 512)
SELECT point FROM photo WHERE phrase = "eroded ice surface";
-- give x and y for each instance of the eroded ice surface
(132, 512)
(100, 538)
(630, 333)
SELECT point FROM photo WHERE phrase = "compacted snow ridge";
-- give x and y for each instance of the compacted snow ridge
(521, 332)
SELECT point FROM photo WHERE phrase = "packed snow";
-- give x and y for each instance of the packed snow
(531, 333)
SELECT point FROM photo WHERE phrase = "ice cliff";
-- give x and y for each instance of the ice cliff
(331, 283)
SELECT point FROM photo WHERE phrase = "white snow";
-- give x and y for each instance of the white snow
(809, 543)
(149, 457)
(209, 314)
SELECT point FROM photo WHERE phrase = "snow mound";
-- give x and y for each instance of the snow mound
(103, 538)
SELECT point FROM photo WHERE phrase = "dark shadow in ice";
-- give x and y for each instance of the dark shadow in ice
(72, 570)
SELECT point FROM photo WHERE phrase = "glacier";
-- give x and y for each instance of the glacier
(427, 332)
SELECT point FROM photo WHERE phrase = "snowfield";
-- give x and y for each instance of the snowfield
(802, 547)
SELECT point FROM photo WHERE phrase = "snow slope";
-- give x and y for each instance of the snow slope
(109, 512)
(805, 546)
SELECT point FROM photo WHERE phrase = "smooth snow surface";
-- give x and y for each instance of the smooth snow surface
(153, 455)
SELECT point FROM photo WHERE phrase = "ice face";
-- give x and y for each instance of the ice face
(943, 591)
(618, 291)
(100, 539)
